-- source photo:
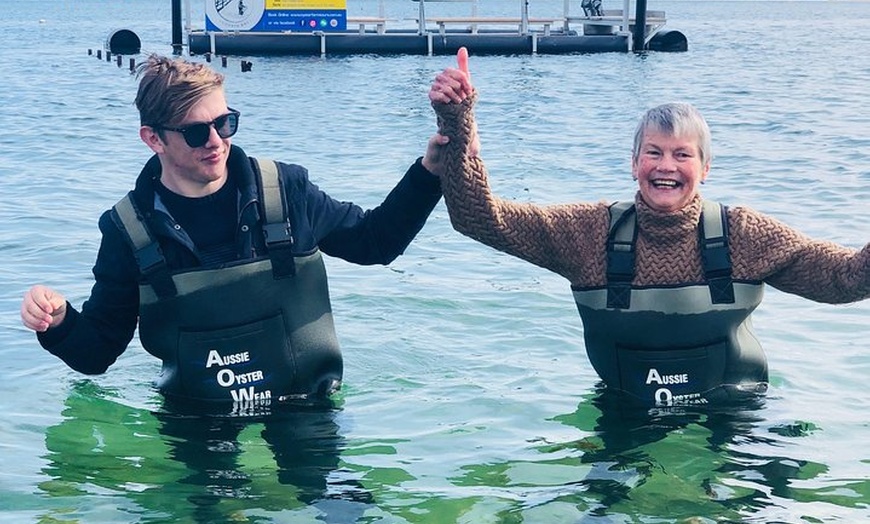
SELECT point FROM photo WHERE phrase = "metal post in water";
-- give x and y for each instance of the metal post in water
(187, 22)
(421, 15)
(176, 27)
(640, 26)
(566, 9)
(524, 17)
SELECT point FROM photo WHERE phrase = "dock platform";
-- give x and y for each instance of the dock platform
(604, 31)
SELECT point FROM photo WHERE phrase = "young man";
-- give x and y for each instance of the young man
(217, 256)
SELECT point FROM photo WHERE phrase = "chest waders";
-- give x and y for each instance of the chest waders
(251, 333)
(689, 344)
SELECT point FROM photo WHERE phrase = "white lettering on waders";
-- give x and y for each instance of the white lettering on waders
(216, 359)
(249, 394)
(227, 378)
(242, 405)
(663, 397)
(653, 377)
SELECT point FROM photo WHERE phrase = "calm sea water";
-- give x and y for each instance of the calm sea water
(468, 396)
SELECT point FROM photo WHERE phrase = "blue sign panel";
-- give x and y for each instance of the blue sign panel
(275, 15)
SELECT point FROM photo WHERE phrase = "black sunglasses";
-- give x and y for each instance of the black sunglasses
(196, 135)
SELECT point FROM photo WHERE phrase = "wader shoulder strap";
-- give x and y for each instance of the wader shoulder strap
(715, 255)
(149, 257)
(276, 225)
(620, 255)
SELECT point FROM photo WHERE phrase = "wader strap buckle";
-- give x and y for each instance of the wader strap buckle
(715, 255)
(279, 241)
(620, 273)
(146, 250)
(154, 269)
(149, 258)
(277, 231)
(620, 255)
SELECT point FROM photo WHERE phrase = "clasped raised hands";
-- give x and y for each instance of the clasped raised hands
(454, 83)
(451, 86)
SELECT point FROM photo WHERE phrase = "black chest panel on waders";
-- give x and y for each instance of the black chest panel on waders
(667, 345)
(251, 332)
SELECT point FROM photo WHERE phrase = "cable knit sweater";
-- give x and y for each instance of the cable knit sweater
(570, 239)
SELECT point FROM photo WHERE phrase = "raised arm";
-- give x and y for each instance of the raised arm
(559, 238)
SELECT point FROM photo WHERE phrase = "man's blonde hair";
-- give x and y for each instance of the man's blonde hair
(168, 88)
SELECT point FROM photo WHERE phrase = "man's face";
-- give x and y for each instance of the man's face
(193, 171)
(668, 170)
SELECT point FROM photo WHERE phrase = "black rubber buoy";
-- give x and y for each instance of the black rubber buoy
(670, 41)
(123, 42)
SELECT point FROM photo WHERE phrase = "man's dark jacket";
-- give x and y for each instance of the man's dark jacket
(91, 340)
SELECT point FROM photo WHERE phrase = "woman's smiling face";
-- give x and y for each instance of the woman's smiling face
(668, 170)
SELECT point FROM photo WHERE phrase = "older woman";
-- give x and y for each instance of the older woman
(665, 284)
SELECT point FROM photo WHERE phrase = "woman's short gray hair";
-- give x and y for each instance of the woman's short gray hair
(676, 119)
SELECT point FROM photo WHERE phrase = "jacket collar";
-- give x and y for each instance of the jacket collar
(250, 239)
(239, 167)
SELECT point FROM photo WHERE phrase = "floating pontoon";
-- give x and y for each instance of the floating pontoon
(591, 32)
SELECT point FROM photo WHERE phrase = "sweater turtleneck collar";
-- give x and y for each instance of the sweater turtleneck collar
(668, 227)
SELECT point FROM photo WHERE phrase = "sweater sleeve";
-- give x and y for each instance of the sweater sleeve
(561, 238)
(766, 249)
(91, 340)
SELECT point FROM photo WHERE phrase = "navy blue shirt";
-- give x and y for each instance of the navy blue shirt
(91, 340)
(209, 221)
